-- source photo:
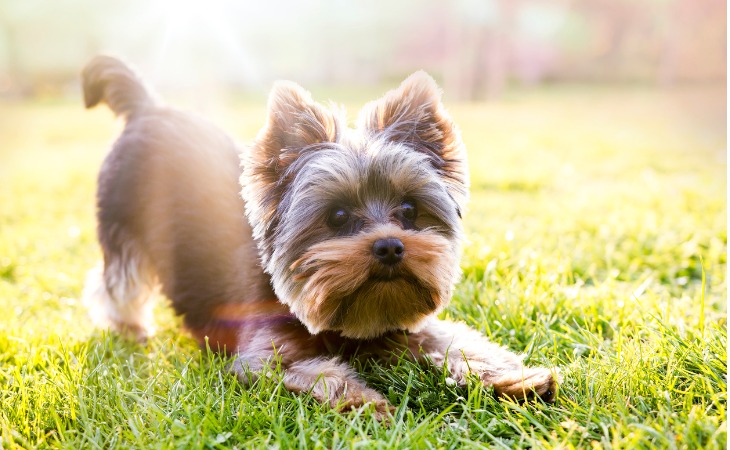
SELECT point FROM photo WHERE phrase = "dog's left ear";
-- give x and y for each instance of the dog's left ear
(414, 115)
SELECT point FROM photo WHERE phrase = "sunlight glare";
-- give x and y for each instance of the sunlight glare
(195, 44)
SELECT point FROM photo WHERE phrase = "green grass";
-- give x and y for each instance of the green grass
(598, 242)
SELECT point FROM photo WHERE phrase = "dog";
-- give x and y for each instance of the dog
(316, 244)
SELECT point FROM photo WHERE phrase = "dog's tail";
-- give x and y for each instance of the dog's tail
(107, 79)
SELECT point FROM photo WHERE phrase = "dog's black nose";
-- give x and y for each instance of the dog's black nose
(389, 251)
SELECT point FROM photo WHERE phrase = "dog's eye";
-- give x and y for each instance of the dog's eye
(408, 209)
(338, 217)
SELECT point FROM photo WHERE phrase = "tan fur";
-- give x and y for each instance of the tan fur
(334, 270)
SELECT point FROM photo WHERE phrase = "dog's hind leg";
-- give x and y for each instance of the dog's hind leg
(120, 294)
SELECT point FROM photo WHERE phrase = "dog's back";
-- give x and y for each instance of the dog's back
(169, 210)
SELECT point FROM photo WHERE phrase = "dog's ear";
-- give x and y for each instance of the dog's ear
(294, 123)
(413, 114)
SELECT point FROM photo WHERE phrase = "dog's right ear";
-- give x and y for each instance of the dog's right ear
(294, 123)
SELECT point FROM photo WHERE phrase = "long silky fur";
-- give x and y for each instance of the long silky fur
(343, 275)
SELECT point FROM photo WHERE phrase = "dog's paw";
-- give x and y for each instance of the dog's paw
(527, 382)
(334, 383)
(356, 397)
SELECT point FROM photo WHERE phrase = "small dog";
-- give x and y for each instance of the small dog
(350, 250)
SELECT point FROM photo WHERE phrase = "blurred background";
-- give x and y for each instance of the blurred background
(477, 49)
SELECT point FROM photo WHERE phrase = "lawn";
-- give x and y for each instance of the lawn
(597, 244)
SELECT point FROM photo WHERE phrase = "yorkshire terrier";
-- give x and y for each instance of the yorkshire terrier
(346, 243)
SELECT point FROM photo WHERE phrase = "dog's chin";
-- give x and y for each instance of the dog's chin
(383, 303)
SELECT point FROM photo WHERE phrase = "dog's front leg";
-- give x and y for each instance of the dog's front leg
(306, 367)
(332, 381)
(465, 351)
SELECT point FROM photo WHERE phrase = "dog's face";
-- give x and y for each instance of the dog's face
(360, 229)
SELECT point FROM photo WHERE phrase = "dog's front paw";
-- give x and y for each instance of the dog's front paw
(356, 396)
(524, 383)
(335, 383)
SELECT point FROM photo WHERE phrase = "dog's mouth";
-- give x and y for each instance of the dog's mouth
(386, 278)
(386, 274)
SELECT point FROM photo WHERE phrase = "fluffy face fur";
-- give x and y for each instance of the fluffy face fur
(320, 195)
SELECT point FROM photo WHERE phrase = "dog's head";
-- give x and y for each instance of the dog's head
(360, 229)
